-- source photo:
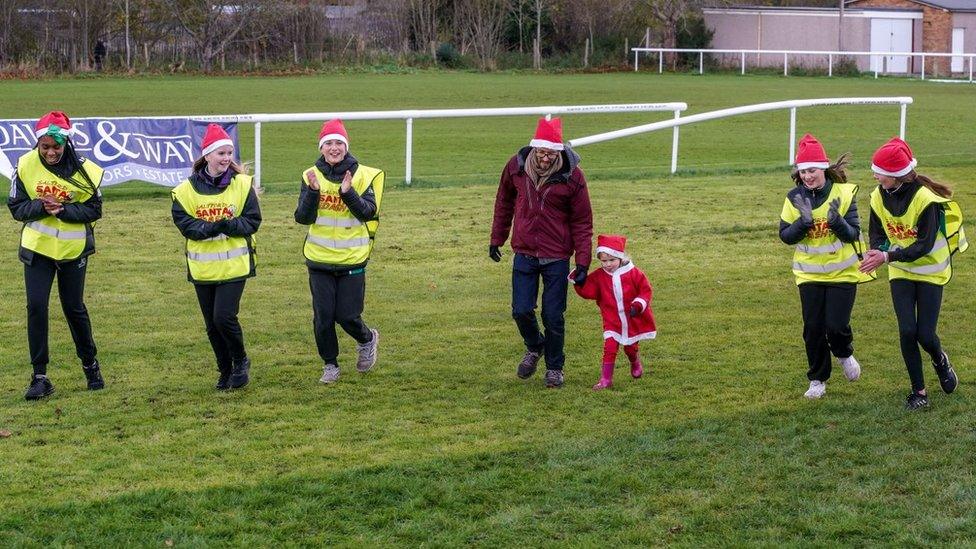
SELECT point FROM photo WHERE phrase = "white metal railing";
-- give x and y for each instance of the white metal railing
(747, 109)
(787, 53)
(410, 115)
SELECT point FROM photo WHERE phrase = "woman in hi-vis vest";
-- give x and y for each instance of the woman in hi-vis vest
(820, 219)
(55, 194)
(915, 228)
(339, 201)
(217, 211)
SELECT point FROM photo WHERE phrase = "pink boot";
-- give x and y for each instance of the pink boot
(636, 368)
(606, 378)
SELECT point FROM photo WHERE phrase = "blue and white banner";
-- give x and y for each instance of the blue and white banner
(157, 150)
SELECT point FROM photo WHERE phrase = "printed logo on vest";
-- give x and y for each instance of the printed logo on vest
(899, 231)
(214, 211)
(332, 202)
(54, 191)
(820, 228)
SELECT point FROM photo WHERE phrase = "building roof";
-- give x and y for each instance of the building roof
(950, 5)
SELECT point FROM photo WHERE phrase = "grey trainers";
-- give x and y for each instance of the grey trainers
(527, 367)
(367, 352)
(554, 379)
(330, 374)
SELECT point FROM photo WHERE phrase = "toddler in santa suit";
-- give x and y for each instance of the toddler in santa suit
(623, 294)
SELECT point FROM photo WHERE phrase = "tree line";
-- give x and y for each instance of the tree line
(208, 35)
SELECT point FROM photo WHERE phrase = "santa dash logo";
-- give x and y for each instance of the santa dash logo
(53, 190)
(900, 232)
(820, 228)
(331, 202)
(214, 211)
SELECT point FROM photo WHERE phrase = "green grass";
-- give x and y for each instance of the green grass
(441, 444)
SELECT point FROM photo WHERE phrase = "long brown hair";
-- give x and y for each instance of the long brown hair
(940, 189)
(836, 172)
(199, 163)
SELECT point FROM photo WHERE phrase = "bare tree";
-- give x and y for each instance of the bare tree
(424, 22)
(213, 25)
(482, 22)
(668, 14)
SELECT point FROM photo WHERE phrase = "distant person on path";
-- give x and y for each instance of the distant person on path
(99, 53)
(217, 211)
(820, 219)
(623, 294)
(56, 195)
(915, 228)
(340, 202)
(543, 200)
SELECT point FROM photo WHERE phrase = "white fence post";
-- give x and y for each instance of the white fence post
(701, 62)
(792, 136)
(660, 62)
(409, 173)
(970, 69)
(674, 144)
(904, 117)
(923, 66)
(257, 155)
(636, 53)
(743, 63)
(830, 64)
(786, 63)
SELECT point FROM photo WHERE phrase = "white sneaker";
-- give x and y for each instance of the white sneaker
(330, 374)
(816, 390)
(852, 369)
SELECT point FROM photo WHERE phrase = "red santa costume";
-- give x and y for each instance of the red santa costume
(624, 298)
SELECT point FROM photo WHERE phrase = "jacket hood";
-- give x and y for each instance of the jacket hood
(570, 161)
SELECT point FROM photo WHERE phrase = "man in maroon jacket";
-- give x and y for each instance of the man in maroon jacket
(544, 191)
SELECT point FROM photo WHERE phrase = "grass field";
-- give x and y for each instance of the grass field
(441, 445)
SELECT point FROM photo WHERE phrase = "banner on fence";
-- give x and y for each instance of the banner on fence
(157, 150)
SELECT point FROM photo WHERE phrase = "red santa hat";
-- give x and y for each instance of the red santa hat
(215, 138)
(54, 118)
(333, 129)
(548, 134)
(893, 159)
(810, 154)
(612, 245)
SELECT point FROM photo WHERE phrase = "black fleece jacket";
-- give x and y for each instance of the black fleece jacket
(847, 228)
(896, 202)
(244, 224)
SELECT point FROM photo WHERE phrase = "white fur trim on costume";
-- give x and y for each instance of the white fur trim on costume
(67, 133)
(807, 165)
(611, 252)
(642, 302)
(899, 173)
(216, 145)
(610, 334)
(542, 143)
(337, 136)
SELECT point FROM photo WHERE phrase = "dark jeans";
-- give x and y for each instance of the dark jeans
(917, 306)
(526, 273)
(38, 280)
(219, 304)
(337, 297)
(826, 325)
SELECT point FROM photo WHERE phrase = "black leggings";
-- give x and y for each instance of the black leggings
(220, 304)
(38, 280)
(337, 297)
(917, 306)
(826, 325)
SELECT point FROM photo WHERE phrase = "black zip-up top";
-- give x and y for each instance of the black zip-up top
(847, 228)
(896, 201)
(363, 207)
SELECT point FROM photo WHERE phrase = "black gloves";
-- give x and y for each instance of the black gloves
(803, 204)
(220, 226)
(635, 309)
(579, 275)
(832, 213)
(494, 253)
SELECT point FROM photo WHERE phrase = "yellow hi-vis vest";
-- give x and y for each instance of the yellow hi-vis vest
(220, 258)
(337, 237)
(49, 236)
(821, 256)
(934, 267)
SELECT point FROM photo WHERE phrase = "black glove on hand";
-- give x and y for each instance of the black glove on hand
(635, 309)
(220, 226)
(803, 204)
(494, 253)
(579, 275)
(832, 213)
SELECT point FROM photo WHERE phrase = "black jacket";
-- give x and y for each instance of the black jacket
(896, 202)
(847, 228)
(25, 210)
(244, 224)
(363, 207)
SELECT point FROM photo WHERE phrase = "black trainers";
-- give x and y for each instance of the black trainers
(554, 379)
(239, 375)
(40, 387)
(223, 382)
(947, 376)
(916, 401)
(94, 376)
(526, 368)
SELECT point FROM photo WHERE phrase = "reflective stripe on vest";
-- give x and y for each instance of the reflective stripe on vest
(337, 237)
(826, 249)
(50, 236)
(824, 268)
(219, 257)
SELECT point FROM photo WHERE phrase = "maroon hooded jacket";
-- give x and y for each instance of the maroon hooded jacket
(554, 221)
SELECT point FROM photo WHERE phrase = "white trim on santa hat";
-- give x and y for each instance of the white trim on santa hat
(216, 145)
(42, 132)
(611, 252)
(808, 165)
(904, 171)
(337, 136)
(543, 144)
